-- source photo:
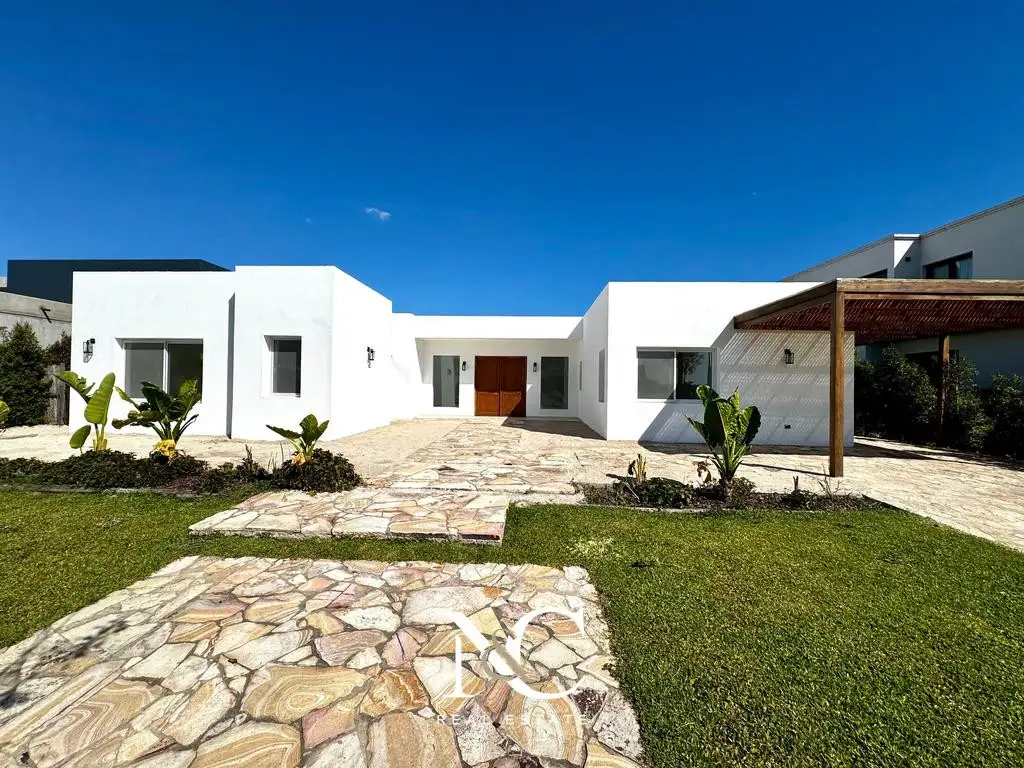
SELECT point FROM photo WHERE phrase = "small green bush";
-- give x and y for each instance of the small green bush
(24, 385)
(1005, 406)
(865, 398)
(905, 398)
(966, 426)
(322, 472)
(20, 470)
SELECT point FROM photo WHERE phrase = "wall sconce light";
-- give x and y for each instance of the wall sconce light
(87, 347)
(788, 357)
(370, 356)
(463, 365)
(535, 367)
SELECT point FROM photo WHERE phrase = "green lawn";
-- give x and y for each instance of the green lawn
(776, 639)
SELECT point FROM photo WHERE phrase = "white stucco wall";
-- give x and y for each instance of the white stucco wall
(688, 315)
(595, 338)
(49, 320)
(888, 254)
(114, 307)
(362, 395)
(281, 302)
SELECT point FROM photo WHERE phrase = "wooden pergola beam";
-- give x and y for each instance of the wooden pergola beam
(940, 405)
(837, 385)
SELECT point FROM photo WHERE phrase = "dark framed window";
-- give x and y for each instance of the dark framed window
(601, 374)
(446, 381)
(672, 374)
(554, 383)
(286, 364)
(168, 364)
(880, 273)
(957, 268)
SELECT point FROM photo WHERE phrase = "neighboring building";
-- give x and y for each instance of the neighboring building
(272, 344)
(985, 245)
(51, 279)
(49, 319)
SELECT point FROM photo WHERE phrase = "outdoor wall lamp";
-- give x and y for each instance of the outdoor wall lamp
(87, 347)
(463, 365)
(370, 356)
(788, 357)
(535, 367)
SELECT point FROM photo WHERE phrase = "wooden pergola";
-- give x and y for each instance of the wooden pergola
(888, 311)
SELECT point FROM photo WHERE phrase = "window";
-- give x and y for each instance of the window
(446, 381)
(581, 375)
(958, 268)
(600, 376)
(554, 383)
(672, 374)
(879, 273)
(168, 364)
(286, 366)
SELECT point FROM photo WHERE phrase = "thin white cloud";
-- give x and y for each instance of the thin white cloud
(382, 215)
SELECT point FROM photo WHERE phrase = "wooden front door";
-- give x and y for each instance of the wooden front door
(500, 384)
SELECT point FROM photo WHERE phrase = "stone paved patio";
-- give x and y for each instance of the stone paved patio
(212, 663)
(367, 511)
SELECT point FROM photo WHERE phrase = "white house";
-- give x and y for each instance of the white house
(985, 245)
(272, 344)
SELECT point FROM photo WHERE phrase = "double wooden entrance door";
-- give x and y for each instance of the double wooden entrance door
(500, 386)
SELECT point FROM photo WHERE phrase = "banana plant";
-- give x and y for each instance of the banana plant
(97, 408)
(166, 414)
(304, 442)
(638, 469)
(728, 429)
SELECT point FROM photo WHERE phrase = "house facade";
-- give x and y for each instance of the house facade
(984, 245)
(271, 344)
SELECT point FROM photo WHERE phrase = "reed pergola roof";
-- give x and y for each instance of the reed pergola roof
(889, 310)
(896, 310)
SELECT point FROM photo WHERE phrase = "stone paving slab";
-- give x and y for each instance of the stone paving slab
(366, 511)
(258, 662)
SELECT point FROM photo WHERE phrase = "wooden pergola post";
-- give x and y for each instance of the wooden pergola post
(940, 405)
(837, 383)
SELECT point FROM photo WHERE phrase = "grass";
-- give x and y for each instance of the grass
(770, 639)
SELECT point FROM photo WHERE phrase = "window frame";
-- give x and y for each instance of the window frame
(272, 352)
(165, 371)
(565, 374)
(952, 261)
(712, 354)
(602, 375)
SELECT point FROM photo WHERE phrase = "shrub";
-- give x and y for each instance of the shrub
(728, 429)
(166, 414)
(59, 353)
(322, 471)
(304, 442)
(904, 398)
(1005, 407)
(97, 408)
(20, 470)
(865, 398)
(966, 426)
(23, 382)
(100, 469)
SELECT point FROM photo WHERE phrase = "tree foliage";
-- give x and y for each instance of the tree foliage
(24, 385)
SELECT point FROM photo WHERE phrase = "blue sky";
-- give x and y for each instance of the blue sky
(527, 152)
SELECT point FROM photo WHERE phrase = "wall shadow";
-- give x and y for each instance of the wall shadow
(553, 426)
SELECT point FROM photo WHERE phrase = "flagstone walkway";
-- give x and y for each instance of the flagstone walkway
(457, 488)
(265, 663)
(366, 511)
